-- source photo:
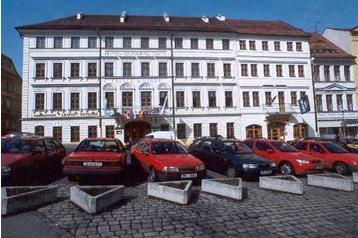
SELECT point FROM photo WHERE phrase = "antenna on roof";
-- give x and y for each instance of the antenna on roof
(123, 16)
(205, 19)
(79, 16)
(166, 17)
(221, 17)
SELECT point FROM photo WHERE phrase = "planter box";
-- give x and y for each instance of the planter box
(227, 187)
(355, 177)
(174, 191)
(283, 183)
(95, 199)
(16, 199)
(328, 180)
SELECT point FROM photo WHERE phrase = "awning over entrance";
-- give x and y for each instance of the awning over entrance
(278, 117)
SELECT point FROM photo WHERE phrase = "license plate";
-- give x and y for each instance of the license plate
(265, 172)
(92, 164)
(319, 167)
(189, 175)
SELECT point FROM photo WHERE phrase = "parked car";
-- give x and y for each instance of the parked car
(333, 155)
(95, 156)
(288, 159)
(27, 154)
(166, 159)
(231, 157)
(161, 135)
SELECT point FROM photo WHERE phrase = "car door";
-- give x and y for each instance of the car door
(60, 150)
(221, 157)
(39, 155)
(206, 154)
(316, 150)
(51, 152)
(265, 150)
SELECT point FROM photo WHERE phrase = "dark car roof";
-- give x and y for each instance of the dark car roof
(100, 138)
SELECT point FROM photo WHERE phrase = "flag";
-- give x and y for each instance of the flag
(161, 112)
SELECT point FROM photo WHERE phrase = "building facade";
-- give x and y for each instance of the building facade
(111, 76)
(10, 96)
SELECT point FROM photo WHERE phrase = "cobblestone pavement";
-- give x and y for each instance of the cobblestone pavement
(318, 213)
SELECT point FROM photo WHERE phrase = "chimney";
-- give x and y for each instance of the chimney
(123, 16)
(166, 17)
(205, 19)
(221, 17)
(79, 16)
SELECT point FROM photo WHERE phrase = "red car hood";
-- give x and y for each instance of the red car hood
(11, 158)
(178, 160)
(93, 156)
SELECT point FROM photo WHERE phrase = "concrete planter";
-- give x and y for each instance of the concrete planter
(355, 177)
(174, 191)
(329, 180)
(227, 187)
(17, 199)
(283, 183)
(95, 199)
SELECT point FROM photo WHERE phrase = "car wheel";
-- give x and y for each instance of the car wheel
(153, 177)
(231, 172)
(341, 168)
(287, 169)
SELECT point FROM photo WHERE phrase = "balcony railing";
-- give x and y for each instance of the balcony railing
(279, 108)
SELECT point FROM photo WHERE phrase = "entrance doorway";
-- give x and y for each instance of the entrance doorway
(276, 131)
(135, 130)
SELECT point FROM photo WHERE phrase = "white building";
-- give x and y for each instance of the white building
(88, 76)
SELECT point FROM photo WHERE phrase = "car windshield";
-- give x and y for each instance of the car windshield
(284, 147)
(16, 146)
(168, 148)
(98, 146)
(237, 147)
(334, 148)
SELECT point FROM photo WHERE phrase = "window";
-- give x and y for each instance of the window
(50, 145)
(252, 45)
(277, 45)
(92, 131)
(180, 99)
(326, 73)
(246, 99)
(39, 101)
(181, 133)
(75, 133)
(92, 70)
(294, 98)
(40, 130)
(212, 98)
(108, 42)
(230, 132)
(301, 71)
(339, 102)
(127, 99)
(109, 96)
(298, 46)
(337, 73)
(197, 130)
(163, 72)
(263, 146)
(300, 131)
(75, 70)
(316, 73)
(329, 103)
(57, 70)
(40, 42)
(127, 69)
(226, 44)
(109, 131)
(301, 146)
(92, 42)
(146, 98)
(108, 69)
(289, 46)
(254, 131)
(178, 43)
(162, 43)
(264, 45)
(255, 99)
(242, 45)
(196, 99)
(163, 98)
(228, 99)
(253, 70)
(145, 69)
(244, 70)
(144, 42)
(347, 73)
(57, 42)
(211, 69)
(266, 70)
(57, 133)
(75, 101)
(209, 44)
(57, 101)
(213, 127)
(40, 70)
(195, 71)
(227, 70)
(279, 70)
(319, 103)
(127, 42)
(194, 43)
(92, 101)
(75, 42)
(349, 102)
(316, 148)
(179, 69)
(291, 69)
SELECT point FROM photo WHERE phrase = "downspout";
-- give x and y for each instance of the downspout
(100, 82)
(314, 99)
(173, 91)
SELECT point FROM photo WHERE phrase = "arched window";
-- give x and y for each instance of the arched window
(39, 130)
(254, 131)
(300, 130)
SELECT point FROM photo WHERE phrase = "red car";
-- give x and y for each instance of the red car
(97, 156)
(288, 159)
(166, 159)
(26, 154)
(333, 156)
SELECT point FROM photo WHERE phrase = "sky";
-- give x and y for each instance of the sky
(309, 15)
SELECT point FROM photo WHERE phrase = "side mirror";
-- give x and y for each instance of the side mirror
(269, 150)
